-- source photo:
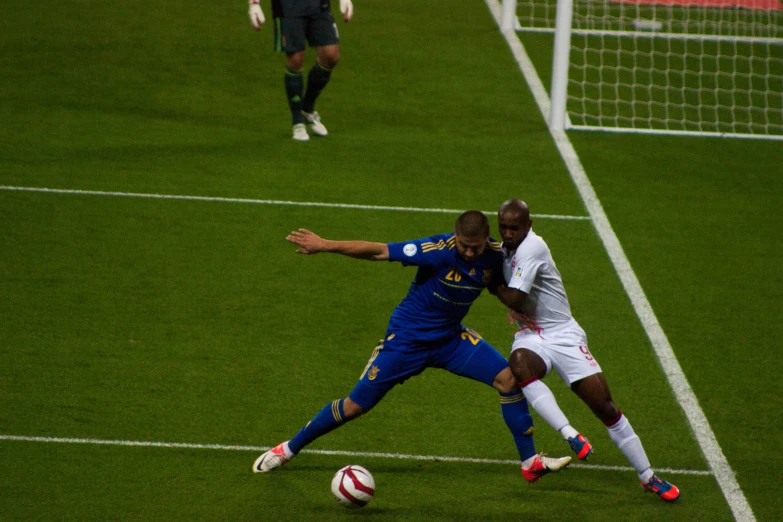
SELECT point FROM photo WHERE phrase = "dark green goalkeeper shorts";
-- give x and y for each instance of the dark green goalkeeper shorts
(293, 33)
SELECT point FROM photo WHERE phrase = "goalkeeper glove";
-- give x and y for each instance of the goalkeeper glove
(346, 8)
(257, 15)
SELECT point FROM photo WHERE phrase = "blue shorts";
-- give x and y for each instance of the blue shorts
(394, 361)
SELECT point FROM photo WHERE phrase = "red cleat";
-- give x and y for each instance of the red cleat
(663, 489)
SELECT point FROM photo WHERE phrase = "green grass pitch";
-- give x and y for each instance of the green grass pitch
(194, 322)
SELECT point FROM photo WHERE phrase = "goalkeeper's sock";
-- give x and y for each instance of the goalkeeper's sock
(330, 417)
(317, 79)
(294, 85)
(517, 416)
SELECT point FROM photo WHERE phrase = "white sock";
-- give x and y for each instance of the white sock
(568, 432)
(288, 453)
(540, 398)
(527, 463)
(625, 438)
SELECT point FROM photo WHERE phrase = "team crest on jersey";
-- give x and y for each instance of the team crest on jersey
(529, 432)
(373, 373)
(409, 250)
(487, 277)
(518, 272)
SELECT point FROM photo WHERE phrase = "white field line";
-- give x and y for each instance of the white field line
(705, 437)
(183, 445)
(267, 201)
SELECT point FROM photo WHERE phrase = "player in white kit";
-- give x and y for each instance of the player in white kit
(549, 337)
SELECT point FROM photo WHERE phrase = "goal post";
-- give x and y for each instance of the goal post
(697, 67)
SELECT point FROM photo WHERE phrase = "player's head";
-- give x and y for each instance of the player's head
(472, 233)
(513, 222)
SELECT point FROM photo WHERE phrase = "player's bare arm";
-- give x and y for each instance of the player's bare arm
(311, 243)
(511, 297)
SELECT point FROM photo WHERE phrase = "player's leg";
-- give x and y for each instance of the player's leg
(322, 34)
(471, 356)
(290, 38)
(529, 367)
(320, 73)
(373, 385)
(594, 391)
(294, 87)
(332, 416)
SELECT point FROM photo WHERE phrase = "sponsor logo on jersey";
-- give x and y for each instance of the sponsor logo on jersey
(409, 250)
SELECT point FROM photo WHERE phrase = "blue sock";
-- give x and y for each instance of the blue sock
(518, 419)
(329, 418)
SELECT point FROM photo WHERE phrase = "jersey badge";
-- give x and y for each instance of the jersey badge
(373, 373)
(518, 272)
(409, 250)
(487, 276)
(472, 271)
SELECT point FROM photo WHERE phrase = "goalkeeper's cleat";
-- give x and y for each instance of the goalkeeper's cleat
(313, 121)
(543, 465)
(300, 132)
(663, 489)
(270, 460)
(581, 446)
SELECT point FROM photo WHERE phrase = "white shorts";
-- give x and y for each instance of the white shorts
(563, 347)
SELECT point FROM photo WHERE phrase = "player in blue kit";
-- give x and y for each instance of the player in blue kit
(426, 331)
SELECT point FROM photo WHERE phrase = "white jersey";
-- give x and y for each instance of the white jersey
(532, 270)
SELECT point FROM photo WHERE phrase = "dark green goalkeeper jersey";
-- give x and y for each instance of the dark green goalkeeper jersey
(291, 8)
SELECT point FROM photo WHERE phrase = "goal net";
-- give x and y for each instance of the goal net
(710, 67)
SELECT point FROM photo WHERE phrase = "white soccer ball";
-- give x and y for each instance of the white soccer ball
(353, 486)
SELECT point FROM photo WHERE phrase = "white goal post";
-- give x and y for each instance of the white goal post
(698, 67)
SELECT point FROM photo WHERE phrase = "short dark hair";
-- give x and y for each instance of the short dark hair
(472, 223)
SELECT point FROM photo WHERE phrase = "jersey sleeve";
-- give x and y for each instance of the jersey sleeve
(430, 251)
(528, 262)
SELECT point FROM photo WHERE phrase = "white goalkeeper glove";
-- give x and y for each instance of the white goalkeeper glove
(346, 8)
(257, 15)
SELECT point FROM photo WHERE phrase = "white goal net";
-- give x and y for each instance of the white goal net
(711, 67)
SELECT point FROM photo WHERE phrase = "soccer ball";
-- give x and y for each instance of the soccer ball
(353, 486)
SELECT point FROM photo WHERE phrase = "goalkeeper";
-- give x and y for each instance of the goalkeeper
(298, 22)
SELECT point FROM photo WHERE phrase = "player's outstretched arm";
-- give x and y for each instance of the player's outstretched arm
(346, 8)
(256, 14)
(311, 243)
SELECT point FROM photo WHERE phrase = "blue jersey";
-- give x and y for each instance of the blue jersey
(444, 287)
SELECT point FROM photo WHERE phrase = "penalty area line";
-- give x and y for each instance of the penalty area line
(399, 456)
(268, 202)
